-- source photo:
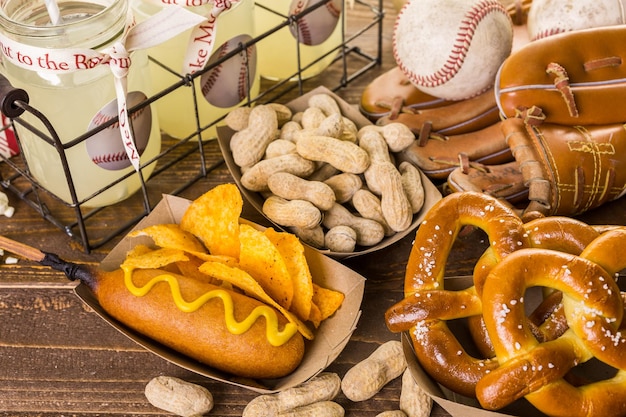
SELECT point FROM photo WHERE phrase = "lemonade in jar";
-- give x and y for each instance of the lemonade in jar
(285, 53)
(59, 66)
(185, 110)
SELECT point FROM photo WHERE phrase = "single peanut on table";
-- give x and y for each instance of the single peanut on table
(392, 413)
(413, 399)
(368, 377)
(178, 397)
(318, 409)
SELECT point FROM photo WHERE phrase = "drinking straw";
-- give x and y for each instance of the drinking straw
(53, 11)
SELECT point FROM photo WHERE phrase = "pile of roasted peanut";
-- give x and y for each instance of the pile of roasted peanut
(334, 185)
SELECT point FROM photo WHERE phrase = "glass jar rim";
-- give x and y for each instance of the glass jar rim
(99, 21)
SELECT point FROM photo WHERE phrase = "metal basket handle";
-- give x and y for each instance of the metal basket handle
(9, 96)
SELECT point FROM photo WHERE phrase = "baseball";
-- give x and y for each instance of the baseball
(227, 84)
(316, 26)
(106, 148)
(550, 17)
(452, 49)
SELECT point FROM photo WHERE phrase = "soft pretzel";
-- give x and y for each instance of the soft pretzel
(560, 233)
(594, 309)
(564, 234)
(548, 322)
(580, 318)
(605, 248)
(428, 305)
(577, 238)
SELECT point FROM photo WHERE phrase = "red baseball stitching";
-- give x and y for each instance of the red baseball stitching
(302, 26)
(242, 86)
(305, 32)
(463, 40)
(101, 118)
(211, 80)
(116, 156)
(547, 32)
(332, 9)
(108, 158)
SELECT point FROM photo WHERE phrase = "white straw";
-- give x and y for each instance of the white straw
(53, 11)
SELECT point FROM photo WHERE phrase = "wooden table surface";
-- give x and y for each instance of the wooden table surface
(57, 357)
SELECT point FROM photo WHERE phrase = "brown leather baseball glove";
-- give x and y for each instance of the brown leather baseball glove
(575, 78)
(444, 130)
(568, 169)
(438, 155)
(456, 117)
(391, 93)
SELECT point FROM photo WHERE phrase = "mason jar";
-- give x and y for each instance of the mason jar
(8, 143)
(282, 55)
(36, 49)
(218, 90)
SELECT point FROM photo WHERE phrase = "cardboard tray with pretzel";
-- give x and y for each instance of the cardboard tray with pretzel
(537, 329)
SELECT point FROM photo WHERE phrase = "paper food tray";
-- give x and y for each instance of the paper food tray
(330, 338)
(461, 406)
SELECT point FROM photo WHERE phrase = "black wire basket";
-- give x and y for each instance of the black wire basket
(187, 155)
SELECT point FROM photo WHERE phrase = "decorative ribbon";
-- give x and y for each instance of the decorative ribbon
(202, 39)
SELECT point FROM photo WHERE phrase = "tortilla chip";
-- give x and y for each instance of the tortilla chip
(190, 269)
(328, 301)
(214, 219)
(154, 259)
(138, 250)
(228, 260)
(292, 252)
(171, 236)
(316, 316)
(263, 261)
